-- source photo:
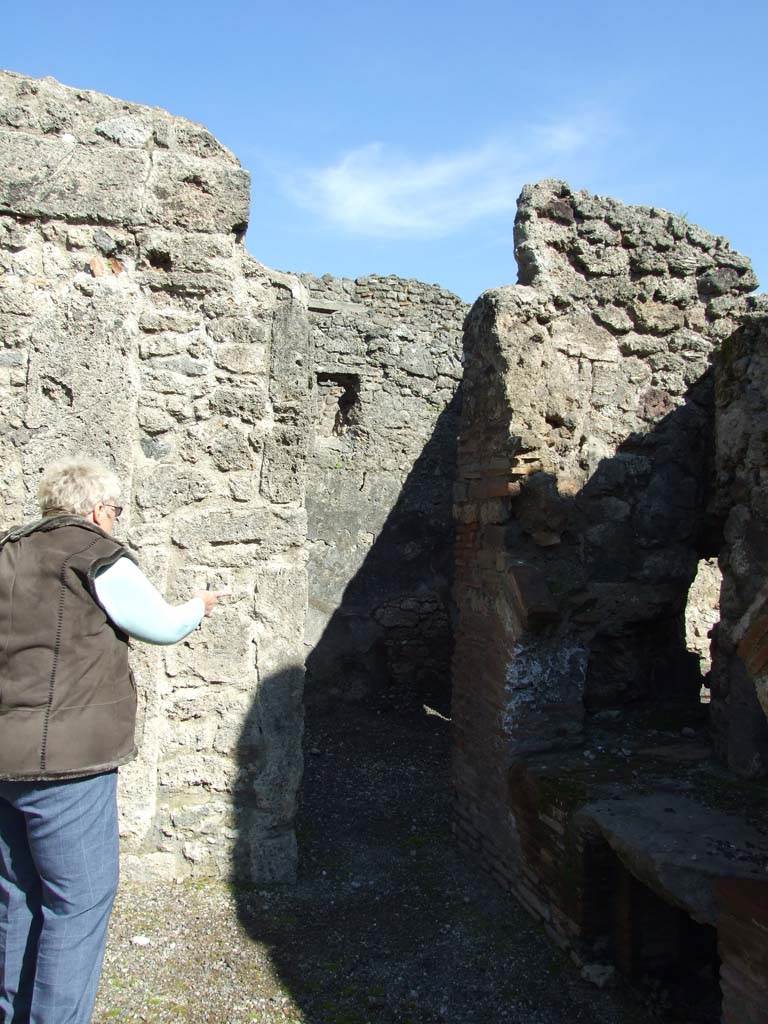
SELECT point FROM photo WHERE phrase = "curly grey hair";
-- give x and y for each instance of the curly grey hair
(75, 486)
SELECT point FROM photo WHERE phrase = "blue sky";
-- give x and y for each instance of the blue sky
(394, 138)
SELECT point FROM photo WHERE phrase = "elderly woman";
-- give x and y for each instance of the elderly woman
(70, 597)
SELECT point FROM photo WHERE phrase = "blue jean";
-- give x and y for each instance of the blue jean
(58, 878)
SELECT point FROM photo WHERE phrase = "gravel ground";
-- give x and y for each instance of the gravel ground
(388, 924)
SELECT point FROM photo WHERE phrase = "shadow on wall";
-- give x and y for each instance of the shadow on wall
(588, 631)
(617, 584)
(576, 601)
(370, 925)
(376, 927)
(390, 641)
(643, 520)
(615, 587)
(268, 776)
(619, 628)
(640, 562)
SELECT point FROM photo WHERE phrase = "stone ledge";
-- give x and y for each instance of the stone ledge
(678, 847)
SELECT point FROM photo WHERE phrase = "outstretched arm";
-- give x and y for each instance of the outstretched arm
(136, 607)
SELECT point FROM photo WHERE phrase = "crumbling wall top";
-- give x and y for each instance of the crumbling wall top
(83, 157)
(583, 243)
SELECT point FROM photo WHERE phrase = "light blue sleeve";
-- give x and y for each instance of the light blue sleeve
(139, 609)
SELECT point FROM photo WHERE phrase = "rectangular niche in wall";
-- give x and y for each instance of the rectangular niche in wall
(337, 403)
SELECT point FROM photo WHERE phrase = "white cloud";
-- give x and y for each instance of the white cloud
(378, 192)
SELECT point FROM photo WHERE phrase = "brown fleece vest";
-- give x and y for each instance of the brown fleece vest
(67, 696)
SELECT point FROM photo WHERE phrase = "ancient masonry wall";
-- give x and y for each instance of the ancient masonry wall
(740, 649)
(601, 458)
(257, 420)
(387, 363)
(584, 497)
(134, 327)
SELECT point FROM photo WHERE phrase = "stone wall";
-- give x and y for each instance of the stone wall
(134, 327)
(740, 663)
(257, 420)
(584, 497)
(387, 365)
(601, 463)
(264, 424)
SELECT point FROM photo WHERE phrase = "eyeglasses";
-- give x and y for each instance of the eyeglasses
(117, 509)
